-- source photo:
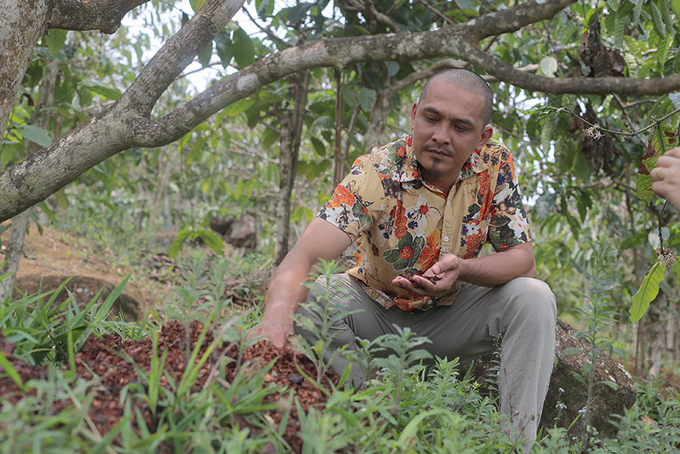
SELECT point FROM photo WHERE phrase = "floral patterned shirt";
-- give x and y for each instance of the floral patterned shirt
(402, 224)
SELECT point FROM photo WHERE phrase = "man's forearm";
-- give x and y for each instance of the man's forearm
(499, 268)
(286, 291)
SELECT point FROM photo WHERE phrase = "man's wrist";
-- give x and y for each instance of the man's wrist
(278, 311)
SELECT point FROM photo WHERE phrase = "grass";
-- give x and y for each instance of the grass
(405, 408)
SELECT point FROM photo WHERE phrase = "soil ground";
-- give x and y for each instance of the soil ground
(104, 356)
(54, 256)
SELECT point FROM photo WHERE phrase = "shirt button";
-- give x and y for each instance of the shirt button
(446, 238)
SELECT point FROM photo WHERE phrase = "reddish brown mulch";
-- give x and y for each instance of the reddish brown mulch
(103, 356)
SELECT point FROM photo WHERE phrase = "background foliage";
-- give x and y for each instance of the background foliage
(578, 157)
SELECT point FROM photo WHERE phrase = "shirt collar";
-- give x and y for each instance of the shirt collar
(410, 171)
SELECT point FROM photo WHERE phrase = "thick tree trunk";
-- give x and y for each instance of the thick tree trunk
(22, 23)
(339, 161)
(377, 132)
(287, 161)
(127, 123)
(655, 332)
(290, 138)
(41, 119)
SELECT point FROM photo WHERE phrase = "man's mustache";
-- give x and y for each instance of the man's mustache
(439, 149)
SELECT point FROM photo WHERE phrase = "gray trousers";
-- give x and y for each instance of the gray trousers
(521, 312)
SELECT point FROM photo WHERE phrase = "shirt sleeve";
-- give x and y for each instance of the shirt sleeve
(509, 224)
(348, 207)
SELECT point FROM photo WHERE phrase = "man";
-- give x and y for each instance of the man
(425, 204)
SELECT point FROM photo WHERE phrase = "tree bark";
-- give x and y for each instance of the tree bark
(103, 15)
(119, 127)
(290, 139)
(655, 332)
(286, 177)
(128, 123)
(41, 118)
(339, 161)
(22, 23)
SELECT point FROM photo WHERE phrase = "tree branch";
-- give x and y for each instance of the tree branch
(127, 123)
(176, 54)
(572, 85)
(104, 15)
(456, 41)
(110, 132)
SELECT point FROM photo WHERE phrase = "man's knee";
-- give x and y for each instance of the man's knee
(533, 298)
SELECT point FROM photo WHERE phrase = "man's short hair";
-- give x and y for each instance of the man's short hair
(468, 80)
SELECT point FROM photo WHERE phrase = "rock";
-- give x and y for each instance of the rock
(83, 289)
(239, 232)
(567, 394)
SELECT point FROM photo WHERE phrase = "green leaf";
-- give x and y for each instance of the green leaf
(635, 240)
(663, 139)
(666, 14)
(544, 205)
(675, 6)
(239, 107)
(244, 50)
(392, 68)
(318, 145)
(657, 21)
(619, 30)
(663, 48)
(675, 97)
(676, 269)
(213, 241)
(647, 292)
(366, 99)
(35, 134)
(643, 185)
(55, 40)
(108, 92)
(611, 384)
(549, 66)
(205, 54)
(11, 371)
(223, 46)
(265, 7)
(182, 236)
(571, 351)
(547, 136)
(350, 96)
(196, 149)
(580, 167)
(196, 5)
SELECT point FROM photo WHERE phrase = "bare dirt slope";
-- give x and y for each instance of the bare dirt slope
(54, 256)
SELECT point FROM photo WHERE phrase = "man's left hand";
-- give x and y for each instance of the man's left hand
(446, 271)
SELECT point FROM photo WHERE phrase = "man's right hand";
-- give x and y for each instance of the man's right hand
(276, 331)
(321, 240)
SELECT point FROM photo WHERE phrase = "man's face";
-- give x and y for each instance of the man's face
(447, 128)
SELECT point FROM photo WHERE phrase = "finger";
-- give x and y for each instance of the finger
(675, 152)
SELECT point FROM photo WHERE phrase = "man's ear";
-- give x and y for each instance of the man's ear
(486, 135)
(413, 113)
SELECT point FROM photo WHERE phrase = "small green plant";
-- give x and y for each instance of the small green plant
(322, 317)
(403, 358)
(44, 330)
(598, 314)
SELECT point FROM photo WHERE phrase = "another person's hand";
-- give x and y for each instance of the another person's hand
(666, 177)
(446, 271)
